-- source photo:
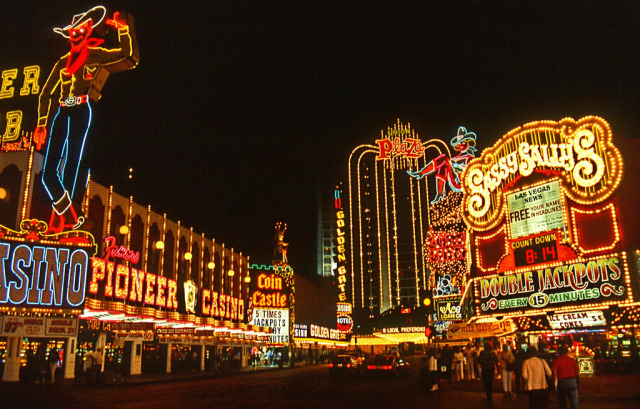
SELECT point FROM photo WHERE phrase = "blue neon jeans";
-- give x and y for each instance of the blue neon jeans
(64, 168)
(568, 387)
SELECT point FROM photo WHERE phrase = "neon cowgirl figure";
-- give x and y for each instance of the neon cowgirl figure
(447, 170)
(80, 76)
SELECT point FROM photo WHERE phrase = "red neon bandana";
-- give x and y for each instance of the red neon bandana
(79, 58)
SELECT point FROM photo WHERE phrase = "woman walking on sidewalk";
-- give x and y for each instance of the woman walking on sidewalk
(506, 359)
(458, 364)
(487, 362)
(534, 373)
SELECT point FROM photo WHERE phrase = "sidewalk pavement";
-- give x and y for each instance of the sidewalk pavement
(155, 377)
(606, 391)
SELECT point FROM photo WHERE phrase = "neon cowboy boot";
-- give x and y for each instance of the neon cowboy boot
(77, 217)
(56, 223)
(57, 219)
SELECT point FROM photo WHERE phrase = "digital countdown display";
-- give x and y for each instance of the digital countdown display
(542, 248)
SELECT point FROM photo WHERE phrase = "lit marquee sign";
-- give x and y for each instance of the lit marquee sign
(446, 248)
(317, 331)
(449, 309)
(536, 209)
(140, 288)
(14, 326)
(17, 84)
(529, 201)
(270, 292)
(271, 302)
(277, 320)
(578, 319)
(443, 246)
(399, 141)
(341, 249)
(581, 153)
(344, 309)
(219, 305)
(44, 271)
(301, 331)
(596, 281)
(403, 330)
(481, 330)
(122, 282)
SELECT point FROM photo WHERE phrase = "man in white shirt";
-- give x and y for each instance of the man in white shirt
(534, 373)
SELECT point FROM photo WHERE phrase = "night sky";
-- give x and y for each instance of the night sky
(239, 109)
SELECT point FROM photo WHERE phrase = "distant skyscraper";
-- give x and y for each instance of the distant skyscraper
(327, 263)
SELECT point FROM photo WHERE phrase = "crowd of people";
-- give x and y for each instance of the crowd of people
(524, 371)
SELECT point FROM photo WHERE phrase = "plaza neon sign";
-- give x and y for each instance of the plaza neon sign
(408, 148)
(399, 143)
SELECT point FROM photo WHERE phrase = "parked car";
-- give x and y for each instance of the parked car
(390, 365)
(344, 365)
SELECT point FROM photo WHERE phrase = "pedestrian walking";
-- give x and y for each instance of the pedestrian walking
(96, 367)
(458, 364)
(446, 363)
(520, 356)
(470, 362)
(487, 362)
(567, 375)
(433, 369)
(53, 360)
(87, 367)
(534, 373)
(507, 360)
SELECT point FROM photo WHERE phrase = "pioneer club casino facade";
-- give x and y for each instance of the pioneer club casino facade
(83, 267)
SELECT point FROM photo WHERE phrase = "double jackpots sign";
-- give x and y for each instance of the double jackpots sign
(597, 280)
